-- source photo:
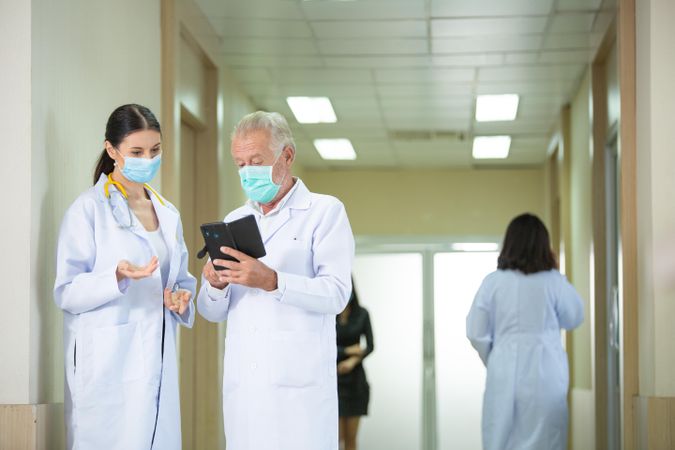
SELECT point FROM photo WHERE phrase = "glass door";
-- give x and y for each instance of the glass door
(460, 374)
(390, 288)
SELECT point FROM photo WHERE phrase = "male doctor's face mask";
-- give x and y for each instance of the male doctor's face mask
(258, 184)
(140, 170)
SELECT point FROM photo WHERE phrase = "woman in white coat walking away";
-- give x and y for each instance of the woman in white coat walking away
(123, 285)
(514, 324)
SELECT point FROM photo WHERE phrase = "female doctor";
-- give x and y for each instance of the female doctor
(123, 285)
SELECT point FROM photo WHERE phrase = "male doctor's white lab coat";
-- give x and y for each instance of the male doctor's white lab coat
(279, 381)
(514, 324)
(121, 392)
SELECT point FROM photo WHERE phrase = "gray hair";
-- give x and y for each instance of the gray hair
(280, 133)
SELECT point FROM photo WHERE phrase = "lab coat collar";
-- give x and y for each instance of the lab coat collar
(168, 218)
(299, 198)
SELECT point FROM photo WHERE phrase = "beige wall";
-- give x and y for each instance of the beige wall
(15, 127)
(72, 72)
(655, 194)
(432, 202)
(578, 262)
(80, 74)
(580, 239)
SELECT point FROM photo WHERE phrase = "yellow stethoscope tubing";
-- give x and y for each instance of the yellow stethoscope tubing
(106, 189)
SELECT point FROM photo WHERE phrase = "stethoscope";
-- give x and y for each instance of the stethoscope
(123, 192)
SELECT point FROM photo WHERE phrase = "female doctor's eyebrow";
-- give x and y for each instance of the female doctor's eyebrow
(142, 148)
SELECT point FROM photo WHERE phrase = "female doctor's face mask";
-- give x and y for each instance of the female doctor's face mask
(140, 170)
(258, 184)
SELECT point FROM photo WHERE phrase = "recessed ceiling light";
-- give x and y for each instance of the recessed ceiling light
(312, 109)
(335, 149)
(493, 108)
(475, 247)
(491, 147)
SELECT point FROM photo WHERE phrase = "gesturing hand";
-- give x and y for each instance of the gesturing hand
(127, 270)
(247, 272)
(177, 301)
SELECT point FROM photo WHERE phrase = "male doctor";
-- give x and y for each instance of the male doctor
(279, 382)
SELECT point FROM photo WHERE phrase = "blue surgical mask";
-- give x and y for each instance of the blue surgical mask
(141, 170)
(258, 184)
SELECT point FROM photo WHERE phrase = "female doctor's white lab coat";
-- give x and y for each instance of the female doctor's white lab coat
(514, 324)
(121, 391)
(279, 380)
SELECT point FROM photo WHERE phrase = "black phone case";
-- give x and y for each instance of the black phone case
(241, 234)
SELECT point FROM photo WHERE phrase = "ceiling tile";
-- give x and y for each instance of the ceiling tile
(423, 90)
(252, 9)
(250, 60)
(424, 75)
(322, 76)
(421, 124)
(492, 8)
(578, 5)
(328, 90)
(377, 61)
(522, 58)
(572, 22)
(518, 126)
(555, 88)
(569, 41)
(565, 56)
(370, 29)
(372, 46)
(472, 60)
(260, 46)
(487, 44)
(487, 26)
(262, 28)
(364, 10)
(530, 73)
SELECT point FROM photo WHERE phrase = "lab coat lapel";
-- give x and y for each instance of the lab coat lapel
(300, 199)
(283, 216)
(168, 222)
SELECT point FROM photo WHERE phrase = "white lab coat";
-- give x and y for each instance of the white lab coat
(514, 324)
(279, 381)
(120, 389)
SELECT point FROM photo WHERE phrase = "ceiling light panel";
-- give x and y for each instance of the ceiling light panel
(493, 108)
(335, 149)
(491, 147)
(312, 109)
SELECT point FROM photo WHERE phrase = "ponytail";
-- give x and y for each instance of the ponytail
(104, 166)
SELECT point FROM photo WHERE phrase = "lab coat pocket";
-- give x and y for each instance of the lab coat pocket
(118, 354)
(296, 359)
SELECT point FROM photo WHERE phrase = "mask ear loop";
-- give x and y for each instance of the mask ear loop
(272, 171)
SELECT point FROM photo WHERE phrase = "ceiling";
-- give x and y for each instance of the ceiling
(403, 75)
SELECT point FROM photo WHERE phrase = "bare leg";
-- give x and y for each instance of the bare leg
(351, 430)
(343, 426)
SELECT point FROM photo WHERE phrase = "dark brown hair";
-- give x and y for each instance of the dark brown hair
(527, 246)
(125, 120)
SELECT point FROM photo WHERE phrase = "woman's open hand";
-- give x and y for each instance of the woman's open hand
(127, 270)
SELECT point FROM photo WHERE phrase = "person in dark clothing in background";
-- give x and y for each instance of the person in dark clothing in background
(353, 388)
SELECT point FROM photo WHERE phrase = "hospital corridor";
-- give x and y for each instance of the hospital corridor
(337, 224)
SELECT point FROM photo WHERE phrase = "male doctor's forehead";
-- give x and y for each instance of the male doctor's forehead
(255, 143)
